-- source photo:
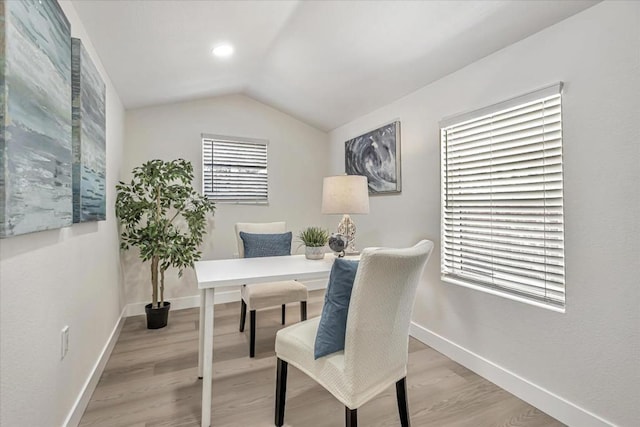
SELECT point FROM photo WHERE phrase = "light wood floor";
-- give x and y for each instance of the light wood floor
(151, 380)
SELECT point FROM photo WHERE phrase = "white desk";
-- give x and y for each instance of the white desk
(229, 272)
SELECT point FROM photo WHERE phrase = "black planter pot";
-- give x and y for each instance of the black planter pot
(157, 317)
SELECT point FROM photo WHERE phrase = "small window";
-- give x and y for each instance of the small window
(234, 170)
(502, 199)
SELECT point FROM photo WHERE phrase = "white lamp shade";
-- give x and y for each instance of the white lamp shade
(345, 194)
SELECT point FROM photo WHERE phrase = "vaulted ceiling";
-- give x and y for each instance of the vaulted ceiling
(325, 62)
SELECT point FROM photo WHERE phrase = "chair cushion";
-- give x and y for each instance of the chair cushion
(263, 245)
(263, 295)
(295, 343)
(333, 322)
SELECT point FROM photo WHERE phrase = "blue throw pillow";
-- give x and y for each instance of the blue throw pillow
(261, 245)
(333, 322)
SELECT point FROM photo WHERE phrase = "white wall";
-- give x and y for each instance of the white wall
(590, 355)
(55, 278)
(297, 154)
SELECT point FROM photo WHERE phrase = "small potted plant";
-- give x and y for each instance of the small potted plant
(314, 239)
(165, 218)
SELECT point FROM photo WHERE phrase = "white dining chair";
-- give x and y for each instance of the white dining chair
(377, 335)
(264, 295)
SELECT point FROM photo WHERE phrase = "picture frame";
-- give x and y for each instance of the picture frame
(376, 155)
(35, 118)
(88, 137)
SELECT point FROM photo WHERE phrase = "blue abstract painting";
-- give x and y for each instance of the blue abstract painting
(89, 175)
(35, 122)
(376, 155)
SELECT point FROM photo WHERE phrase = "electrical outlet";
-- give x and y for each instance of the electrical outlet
(64, 342)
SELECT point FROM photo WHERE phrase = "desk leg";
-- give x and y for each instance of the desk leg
(207, 357)
(201, 334)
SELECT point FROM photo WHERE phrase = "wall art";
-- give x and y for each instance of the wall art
(35, 117)
(89, 137)
(376, 155)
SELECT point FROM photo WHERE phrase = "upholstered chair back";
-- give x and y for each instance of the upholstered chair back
(382, 300)
(257, 228)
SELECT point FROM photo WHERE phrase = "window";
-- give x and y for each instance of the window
(234, 170)
(502, 214)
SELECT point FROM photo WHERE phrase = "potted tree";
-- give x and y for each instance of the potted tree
(314, 239)
(165, 218)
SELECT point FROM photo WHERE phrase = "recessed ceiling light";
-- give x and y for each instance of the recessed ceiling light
(223, 50)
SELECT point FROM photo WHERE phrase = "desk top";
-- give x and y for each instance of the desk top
(241, 271)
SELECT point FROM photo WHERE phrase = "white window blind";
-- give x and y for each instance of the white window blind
(234, 170)
(502, 211)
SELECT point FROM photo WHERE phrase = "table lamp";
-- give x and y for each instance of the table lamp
(346, 194)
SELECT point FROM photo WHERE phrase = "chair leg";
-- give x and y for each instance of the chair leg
(243, 314)
(281, 391)
(403, 406)
(252, 334)
(350, 417)
(303, 310)
(284, 308)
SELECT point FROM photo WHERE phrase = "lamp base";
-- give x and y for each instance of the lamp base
(347, 228)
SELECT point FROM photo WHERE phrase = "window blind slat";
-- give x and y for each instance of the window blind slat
(518, 180)
(544, 170)
(508, 161)
(235, 170)
(505, 150)
(501, 251)
(502, 192)
(537, 262)
(527, 118)
(521, 210)
(549, 294)
(521, 165)
(529, 130)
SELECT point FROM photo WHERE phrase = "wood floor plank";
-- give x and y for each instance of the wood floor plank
(151, 380)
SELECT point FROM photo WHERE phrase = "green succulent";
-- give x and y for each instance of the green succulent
(314, 236)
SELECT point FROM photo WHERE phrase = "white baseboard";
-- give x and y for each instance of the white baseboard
(79, 406)
(137, 308)
(548, 402)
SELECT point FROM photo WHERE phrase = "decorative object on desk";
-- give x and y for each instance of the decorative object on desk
(35, 124)
(345, 194)
(165, 218)
(88, 97)
(376, 155)
(314, 240)
(338, 243)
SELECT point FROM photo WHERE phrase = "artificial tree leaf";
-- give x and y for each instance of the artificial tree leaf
(149, 208)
